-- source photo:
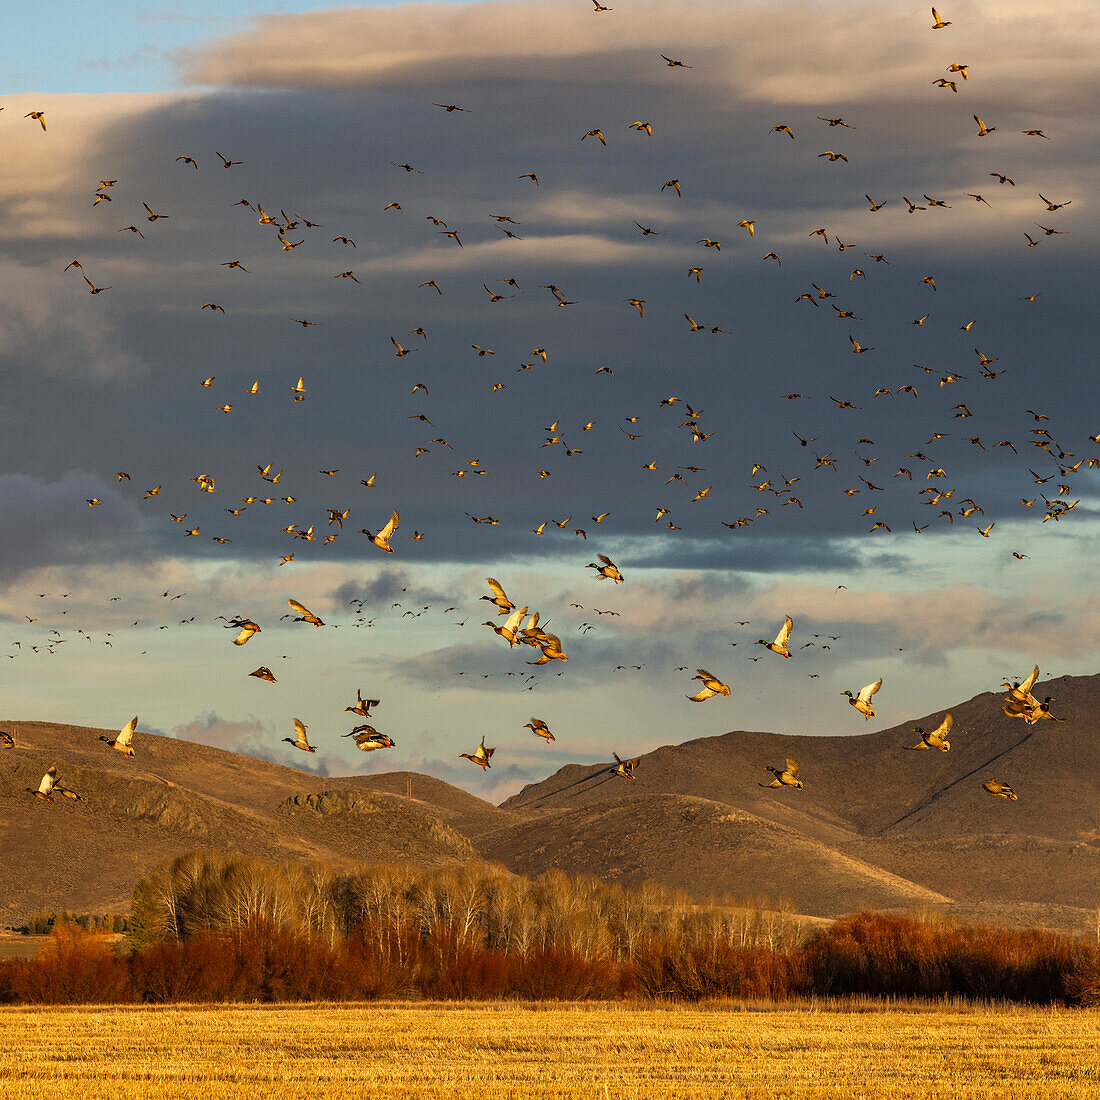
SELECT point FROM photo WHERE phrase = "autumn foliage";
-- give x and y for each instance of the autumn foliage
(214, 930)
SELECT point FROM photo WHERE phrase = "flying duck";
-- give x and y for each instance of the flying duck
(300, 741)
(121, 743)
(862, 701)
(780, 644)
(481, 755)
(712, 686)
(936, 739)
(788, 777)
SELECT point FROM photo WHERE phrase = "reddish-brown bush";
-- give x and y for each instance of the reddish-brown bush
(75, 967)
(383, 956)
(202, 969)
(881, 955)
(547, 974)
(380, 958)
(718, 969)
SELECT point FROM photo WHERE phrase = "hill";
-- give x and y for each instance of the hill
(922, 816)
(874, 825)
(176, 796)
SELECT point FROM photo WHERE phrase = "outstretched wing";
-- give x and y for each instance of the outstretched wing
(865, 695)
(1025, 688)
(390, 527)
(605, 559)
(785, 632)
(126, 734)
(495, 588)
(792, 768)
(301, 608)
(48, 780)
(703, 695)
(944, 727)
(513, 621)
(300, 733)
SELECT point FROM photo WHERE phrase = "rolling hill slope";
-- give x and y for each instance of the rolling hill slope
(874, 825)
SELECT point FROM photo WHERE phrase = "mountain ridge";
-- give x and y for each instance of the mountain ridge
(875, 824)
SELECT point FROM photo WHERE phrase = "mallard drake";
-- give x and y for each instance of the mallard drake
(1040, 711)
(1001, 790)
(862, 701)
(935, 739)
(368, 738)
(498, 598)
(121, 743)
(540, 729)
(712, 686)
(608, 570)
(382, 539)
(362, 706)
(481, 755)
(788, 777)
(510, 630)
(1020, 703)
(304, 614)
(300, 741)
(625, 768)
(780, 644)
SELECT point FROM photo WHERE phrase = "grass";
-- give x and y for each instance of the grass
(20, 947)
(541, 1051)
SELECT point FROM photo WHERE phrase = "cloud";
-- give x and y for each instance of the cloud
(480, 664)
(493, 785)
(50, 523)
(59, 327)
(250, 736)
(767, 51)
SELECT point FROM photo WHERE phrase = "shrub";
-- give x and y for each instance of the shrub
(75, 967)
(718, 969)
(203, 970)
(880, 955)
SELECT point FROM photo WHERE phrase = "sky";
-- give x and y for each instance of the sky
(721, 519)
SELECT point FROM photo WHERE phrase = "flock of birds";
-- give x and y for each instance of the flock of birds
(521, 625)
(1019, 702)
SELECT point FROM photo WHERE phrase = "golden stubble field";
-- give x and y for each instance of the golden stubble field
(542, 1051)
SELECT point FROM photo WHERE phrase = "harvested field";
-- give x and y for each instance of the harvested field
(538, 1051)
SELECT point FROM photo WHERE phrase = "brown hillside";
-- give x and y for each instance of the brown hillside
(176, 796)
(466, 812)
(870, 785)
(874, 825)
(706, 848)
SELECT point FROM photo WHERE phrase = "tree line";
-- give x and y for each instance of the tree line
(211, 928)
